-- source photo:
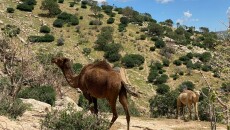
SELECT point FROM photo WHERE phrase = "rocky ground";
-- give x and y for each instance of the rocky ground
(31, 119)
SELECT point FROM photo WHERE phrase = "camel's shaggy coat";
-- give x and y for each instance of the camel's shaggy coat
(188, 98)
(98, 80)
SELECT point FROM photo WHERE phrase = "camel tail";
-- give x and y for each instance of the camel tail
(129, 90)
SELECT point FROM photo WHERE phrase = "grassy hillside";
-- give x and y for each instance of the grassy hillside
(75, 42)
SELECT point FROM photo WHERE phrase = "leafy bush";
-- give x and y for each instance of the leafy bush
(159, 44)
(58, 23)
(184, 58)
(84, 6)
(60, 1)
(152, 48)
(71, 4)
(77, 67)
(161, 79)
(122, 27)
(164, 105)
(205, 57)
(42, 93)
(177, 62)
(45, 38)
(74, 20)
(124, 20)
(132, 60)
(197, 65)
(152, 76)
(110, 21)
(189, 64)
(174, 76)
(166, 62)
(186, 85)
(69, 119)
(162, 89)
(206, 68)
(189, 55)
(153, 38)
(11, 30)
(12, 108)
(143, 37)
(45, 29)
(25, 7)
(112, 52)
(86, 51)
(10, 10)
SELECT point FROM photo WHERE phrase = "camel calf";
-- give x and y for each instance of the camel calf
(188, 98)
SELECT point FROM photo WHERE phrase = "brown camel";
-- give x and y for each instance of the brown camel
(98, 80)
(188, 98)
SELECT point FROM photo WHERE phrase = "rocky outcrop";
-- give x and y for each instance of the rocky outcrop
(31, 119)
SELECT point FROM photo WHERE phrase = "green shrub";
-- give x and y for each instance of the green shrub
(77, 67)
(152, 48)
(110, 21)
(12, 108)
(132, 60)
(174, 76)
(181, 73)
(11, 30)
(189, 55)
(161, 79)
(74, 20)
(186, 85)
(81, 17)
(205, 57)
(86, 51)
(152, 75)
(58, 23)
(166, 62)
(189, 64)
(42, 93)
(45, 38)
(143, 37)
(153, 38)
(124, 20)
(45, 29)
(71, 4)
(159, 44)
(184, 58)
(112, 57)
(206, 68)
(197, 65)
(162, 89)
(69, 119)
(25, 7)
(122, 27)
(10, 10)
(164, 105)
(177, 62)
(83, 6)
(60, 1)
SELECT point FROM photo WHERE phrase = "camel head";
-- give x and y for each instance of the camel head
(197, 92)
(61, 62)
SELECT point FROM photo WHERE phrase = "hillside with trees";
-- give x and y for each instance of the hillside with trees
(159, 59)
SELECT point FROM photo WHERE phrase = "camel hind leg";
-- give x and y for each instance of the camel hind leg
(124, 102)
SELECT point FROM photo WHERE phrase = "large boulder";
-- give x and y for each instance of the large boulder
(63, 103)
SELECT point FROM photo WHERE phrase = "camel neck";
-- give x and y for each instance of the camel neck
(70, 77)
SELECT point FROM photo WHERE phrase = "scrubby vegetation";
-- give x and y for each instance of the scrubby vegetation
(70, 119)
(42, 93)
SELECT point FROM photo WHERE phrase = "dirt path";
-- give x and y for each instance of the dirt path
(162, 124)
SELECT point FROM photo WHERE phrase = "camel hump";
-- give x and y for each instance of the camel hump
(102, 64)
